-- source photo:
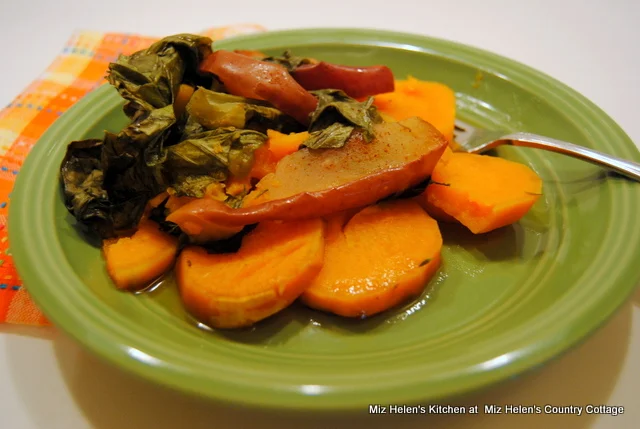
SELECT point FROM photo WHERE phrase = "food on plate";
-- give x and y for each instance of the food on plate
(262, 80)
(269, 180)
(356, 82)
(185, 92)
(273, 266)
(432, 101)
(483, 192)
(379, 257)
(151, 78)
(135, 261)
(281, 145)
(312, 183)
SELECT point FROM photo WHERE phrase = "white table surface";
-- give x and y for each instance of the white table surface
(47, 381)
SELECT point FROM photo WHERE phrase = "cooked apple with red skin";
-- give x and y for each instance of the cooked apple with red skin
(356, 82)
(313, 183)
(251, 78)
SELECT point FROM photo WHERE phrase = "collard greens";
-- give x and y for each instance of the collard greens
(336, 116)
(149, 79)
(210, 157)
(108, 182)
(216, 109)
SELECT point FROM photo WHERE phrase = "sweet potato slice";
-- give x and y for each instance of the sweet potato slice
(436, 212)
(312, 183)
(274, 265)
(432, 101)
(483, 192)
(134, 262)
(279, 145)
(282, 145)
(182, 98)
(382, 256)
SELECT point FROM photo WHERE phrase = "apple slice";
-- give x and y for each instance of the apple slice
(251, 78)
(356, 82)
(312, 183)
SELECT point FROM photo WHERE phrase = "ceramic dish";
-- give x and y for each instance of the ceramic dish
(502, 303)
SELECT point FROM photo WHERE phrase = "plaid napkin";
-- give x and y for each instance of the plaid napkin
(80, 68)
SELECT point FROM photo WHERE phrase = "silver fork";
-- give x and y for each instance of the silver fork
(477, 140)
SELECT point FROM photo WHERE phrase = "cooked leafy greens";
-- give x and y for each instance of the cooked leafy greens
(149, 79)
(108, 182)
(332, 137)
(335, 118)
(216, 109)
(211, 156)
(82, 178)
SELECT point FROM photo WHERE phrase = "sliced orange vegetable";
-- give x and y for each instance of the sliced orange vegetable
(436, 212)
(134, 262)
(182, 98)
(278, 146)
(379, 258)
(235, 186)
(432, 101)
(483, 192)
(282, 145)
(274, 265)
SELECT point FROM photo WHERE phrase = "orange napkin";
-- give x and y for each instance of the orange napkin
(80, 68)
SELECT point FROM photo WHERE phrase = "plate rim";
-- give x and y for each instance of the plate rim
(361, 36)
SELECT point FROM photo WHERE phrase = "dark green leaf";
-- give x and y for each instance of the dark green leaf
(191, 126)
(108, 183)
(144, 138)
(288, 60)
(159, 213)
(336, 116)
(131, 162)
(81, 176)
(210, 157)
(149, 79)
(334, 136)
(215, 109)
(235, 201)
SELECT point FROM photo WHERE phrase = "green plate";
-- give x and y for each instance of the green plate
(502, 303)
